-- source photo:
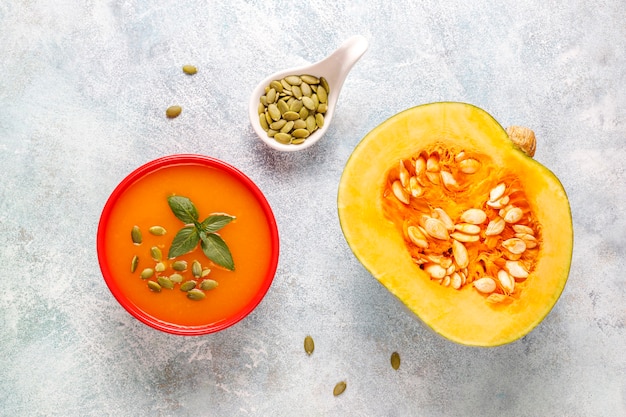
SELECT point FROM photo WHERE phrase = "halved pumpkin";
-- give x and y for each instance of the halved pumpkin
(411, 202)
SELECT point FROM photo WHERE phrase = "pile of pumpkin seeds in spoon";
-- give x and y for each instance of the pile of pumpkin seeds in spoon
(293, 108)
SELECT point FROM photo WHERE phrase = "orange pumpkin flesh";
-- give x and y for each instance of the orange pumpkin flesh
(374, 221)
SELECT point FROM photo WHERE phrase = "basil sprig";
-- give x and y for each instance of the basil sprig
(205, 233)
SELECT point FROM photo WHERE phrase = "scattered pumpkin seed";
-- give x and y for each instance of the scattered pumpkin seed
(205, 272)
(395, 360)
(135, 235)
(156, 253)
(147, 273)
(339, 388)
(154, 286)
(309, 345)
(157, 230)
(196, 294)
(208, 284)
(179, 265)
(165, 282)
(188, 285)
(159, 267)
(173, 111)
(189, 69)
(134, 263)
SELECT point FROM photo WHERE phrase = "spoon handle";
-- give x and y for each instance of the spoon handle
(344, 58)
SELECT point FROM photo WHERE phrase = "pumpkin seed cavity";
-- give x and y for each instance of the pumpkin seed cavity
(294, 107)
(460, 225)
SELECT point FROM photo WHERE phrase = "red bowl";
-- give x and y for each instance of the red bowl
(108, 258)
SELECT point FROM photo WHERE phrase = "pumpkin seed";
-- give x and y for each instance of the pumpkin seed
(135, 234)
(309, 79)
(188, 285)
(277, 125)
(513, 215)
(179, 265)
(306, 90)
(324, 84)
(273, 111)
(156, 254)
(319, 119)
(271, 96)
(205, 272)
(293, 80)
(282, 106)
(165, 282)
(340, 387)
(157, 230)
(395, 360)
(485, 285)
(322, 94)
(173, 111)
(208, 284)
(159, 267)
(154, 286)
(309, 345)
(147, 273)
(436, 228)
(276, 85)
(189, 69)
(284, 138)
(263, 122)
(134, 263)
(300, 133)
(196, 269)
(196, 294)
(176, 278)
(473, 216)
(308, 103)
(291, 115)
(287, 127)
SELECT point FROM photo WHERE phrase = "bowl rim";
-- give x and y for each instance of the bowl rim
(164, 162)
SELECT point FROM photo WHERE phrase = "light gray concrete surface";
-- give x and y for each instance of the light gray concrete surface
(83, 90)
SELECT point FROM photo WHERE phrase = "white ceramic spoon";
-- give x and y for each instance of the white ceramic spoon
(334, 68)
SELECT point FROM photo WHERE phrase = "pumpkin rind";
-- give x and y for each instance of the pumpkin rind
(461, 316)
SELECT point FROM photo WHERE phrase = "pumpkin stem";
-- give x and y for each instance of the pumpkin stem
(524, 138)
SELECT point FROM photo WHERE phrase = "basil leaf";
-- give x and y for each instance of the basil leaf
(216, 250)
(215, 222)
(183, 208)
(185, 241)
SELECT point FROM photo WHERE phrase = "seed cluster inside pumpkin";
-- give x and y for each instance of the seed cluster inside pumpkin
(465, 220)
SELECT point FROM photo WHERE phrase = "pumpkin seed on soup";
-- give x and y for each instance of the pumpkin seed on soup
(157, 230)
(196, 294)
(134, 263)
(135, 235)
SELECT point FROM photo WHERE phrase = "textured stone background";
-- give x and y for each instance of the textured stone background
(83, 89)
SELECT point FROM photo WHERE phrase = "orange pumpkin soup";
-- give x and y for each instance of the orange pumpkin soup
(251, 238)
